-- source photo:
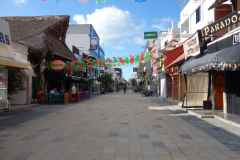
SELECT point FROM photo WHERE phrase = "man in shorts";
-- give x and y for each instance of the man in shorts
(73, 92)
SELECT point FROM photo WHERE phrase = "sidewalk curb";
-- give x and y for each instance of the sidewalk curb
(214, 116)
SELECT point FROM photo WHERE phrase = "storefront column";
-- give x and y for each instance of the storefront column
(213, 75)
(224, 93)
(42, 68)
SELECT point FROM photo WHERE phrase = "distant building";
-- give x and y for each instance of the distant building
(118, 72)
(81, 37)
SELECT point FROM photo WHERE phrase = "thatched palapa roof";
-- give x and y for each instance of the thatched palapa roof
(43, 34)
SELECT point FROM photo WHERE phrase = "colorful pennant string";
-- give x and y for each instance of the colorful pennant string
(97, 1)
(108, 62)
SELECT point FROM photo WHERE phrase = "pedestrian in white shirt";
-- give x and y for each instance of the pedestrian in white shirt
(73, 92)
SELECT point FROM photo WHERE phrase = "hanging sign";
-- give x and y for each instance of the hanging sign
(93, 45)
(192, 46)
(150, 35)
(173, 71)
(222, 23)
(134, 69)
(57, 65)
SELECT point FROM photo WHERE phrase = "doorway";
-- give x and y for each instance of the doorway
(218, 89)
(169, 87)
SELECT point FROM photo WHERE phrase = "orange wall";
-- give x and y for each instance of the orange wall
(219, 13)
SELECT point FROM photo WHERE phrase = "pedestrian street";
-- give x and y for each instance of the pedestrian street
(112, 126)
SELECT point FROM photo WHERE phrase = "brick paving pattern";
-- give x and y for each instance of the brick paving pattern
(112, 127)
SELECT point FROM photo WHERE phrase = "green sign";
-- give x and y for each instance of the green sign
(150, 35)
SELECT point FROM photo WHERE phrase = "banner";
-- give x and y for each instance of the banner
(192, 46)
(93, 45)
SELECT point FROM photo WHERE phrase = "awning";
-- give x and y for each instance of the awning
(226, 59)
(172, 55)
(13, 64)
(179, 59)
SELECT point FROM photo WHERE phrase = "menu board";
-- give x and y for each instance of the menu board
(3, 84)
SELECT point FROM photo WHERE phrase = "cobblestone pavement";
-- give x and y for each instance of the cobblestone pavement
(113, 127)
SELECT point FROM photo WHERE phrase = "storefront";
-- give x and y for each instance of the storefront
(221, 65)
(57, 80)
(171, 63)
(7, 61)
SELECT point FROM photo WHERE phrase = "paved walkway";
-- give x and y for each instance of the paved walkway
(112, 127)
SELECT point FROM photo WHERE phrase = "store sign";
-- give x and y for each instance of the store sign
(57, 65)
(93, 45)
(173, 71)
(6, 49)
(236, 39)
(101, 71)
(134, 69)
(222, 23)
(155, 70)
(192, 46)
(150, 35)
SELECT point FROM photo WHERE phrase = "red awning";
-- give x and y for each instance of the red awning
(172, 55)
(180, 58)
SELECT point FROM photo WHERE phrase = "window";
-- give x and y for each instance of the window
(198, 15)
(166, 42)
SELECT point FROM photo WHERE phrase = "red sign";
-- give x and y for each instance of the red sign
(173, 71)
(155, 70)
(57, 65)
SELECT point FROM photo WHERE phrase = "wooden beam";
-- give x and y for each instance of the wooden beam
(177, 43)
(186, 35)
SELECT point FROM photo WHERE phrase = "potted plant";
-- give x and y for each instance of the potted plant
(102, 92)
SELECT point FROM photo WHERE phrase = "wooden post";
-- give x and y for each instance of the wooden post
(213, 99)
(42, 68)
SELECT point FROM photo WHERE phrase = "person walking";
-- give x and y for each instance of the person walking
(124, 88)
(73, 92)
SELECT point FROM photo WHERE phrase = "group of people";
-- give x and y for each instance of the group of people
(62, 91)
(124, 89)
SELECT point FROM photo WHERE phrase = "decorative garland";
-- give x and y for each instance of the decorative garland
(97, 1)
(105, 63)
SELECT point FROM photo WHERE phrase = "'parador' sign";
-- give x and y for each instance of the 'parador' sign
(222, 23)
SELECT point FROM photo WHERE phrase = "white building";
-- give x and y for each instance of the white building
(114, 74)
(194, 17)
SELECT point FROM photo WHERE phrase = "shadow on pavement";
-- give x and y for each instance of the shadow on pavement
(16, 117)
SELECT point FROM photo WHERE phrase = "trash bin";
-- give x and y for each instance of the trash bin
(82, 95)
(86, 94)
(78, 96)
(66, 98)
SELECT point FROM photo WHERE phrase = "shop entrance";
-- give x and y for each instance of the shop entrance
(233, 92)
(218, 89)
(169, 87)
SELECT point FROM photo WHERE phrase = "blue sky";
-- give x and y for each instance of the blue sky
(120, 24)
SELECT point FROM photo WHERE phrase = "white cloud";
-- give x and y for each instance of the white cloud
(161, 23)
(139, 40)
(20, 1)
(118, 47)
(113, 25)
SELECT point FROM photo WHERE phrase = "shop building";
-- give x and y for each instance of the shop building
(220, 62)
(46, 43)
(173, 79)
(85, 38)
(8, 60)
